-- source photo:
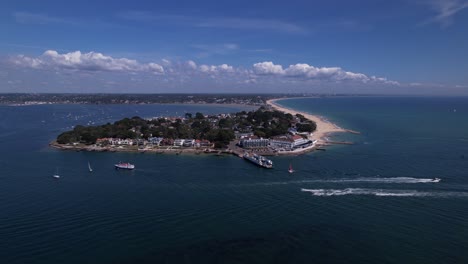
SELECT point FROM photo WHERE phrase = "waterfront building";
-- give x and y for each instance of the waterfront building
(115, 141)
(254, 142)
(282, 142)
(189, 142)
(179, 142)
(203, 143)
(298, 140)
(288, 142)
(155, 140)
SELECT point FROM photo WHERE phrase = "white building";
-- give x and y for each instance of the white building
(282, 142)
(179, 142)
(254, 142)
(298, 140)
(189, 142)
(120, 142)
(155, 140)
(287, 142)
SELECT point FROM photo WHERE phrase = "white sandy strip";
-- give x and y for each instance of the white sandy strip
(324, 127)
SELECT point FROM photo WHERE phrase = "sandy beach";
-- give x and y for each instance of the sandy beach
(324, 127)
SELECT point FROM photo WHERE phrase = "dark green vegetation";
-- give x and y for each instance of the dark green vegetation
(219, 129)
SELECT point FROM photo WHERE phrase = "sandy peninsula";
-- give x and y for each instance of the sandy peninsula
(324, 128)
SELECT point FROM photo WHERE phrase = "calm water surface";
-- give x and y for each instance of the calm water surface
(372, 202)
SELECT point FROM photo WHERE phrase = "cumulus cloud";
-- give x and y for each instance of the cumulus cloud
(216, 69)
(191, 65)
(308, 72)
(267, 68)
(91, 61)
(261, 72)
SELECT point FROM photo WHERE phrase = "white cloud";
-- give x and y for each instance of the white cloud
(91, 61)
(216, 69)
(261, 72)
(166, 62)
(267, 68)
(445, 10)
(308, 72)
(154, 67)
(22, 60)
(191, 65)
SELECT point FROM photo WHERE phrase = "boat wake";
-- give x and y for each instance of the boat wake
(384, 192)
(400, 180)
(390, 180)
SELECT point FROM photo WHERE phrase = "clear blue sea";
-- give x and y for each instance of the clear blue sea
(371, 202)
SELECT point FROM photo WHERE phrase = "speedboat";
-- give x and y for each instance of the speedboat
(436, 180)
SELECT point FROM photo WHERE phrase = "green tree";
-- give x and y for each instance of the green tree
(199, 115)
(306, 127)
(225, 123)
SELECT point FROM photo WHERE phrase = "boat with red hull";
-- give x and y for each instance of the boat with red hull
(124, 166)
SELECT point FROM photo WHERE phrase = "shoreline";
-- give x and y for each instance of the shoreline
(324, 128)
(236, 151)
(134, 149)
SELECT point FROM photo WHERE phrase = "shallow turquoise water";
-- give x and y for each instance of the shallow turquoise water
(371, 202)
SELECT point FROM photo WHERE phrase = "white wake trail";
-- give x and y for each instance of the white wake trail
(390, 180)
(384, 192)
(357, 180)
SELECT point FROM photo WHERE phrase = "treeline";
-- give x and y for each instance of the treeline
(268, 124)
(89, 134)
(138, 128)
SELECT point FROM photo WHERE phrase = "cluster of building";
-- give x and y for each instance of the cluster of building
(278, 143)
(155, 142)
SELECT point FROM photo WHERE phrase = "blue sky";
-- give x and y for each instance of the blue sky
(385, 47)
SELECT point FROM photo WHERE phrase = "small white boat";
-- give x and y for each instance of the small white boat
(290, 170)
(89, 167)
(124, 166)
(436, 180)
(56, 175)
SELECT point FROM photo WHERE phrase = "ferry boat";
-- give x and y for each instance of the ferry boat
(124, 166)
(259, 160)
